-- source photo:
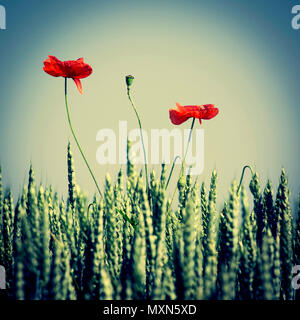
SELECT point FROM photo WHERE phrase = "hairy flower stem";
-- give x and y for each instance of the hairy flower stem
(183, 161)
(242, 176)
(75, 138)
(142, 138)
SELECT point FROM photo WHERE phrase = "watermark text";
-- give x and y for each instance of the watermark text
(296, 278)
(2, 278)
(2, 18)
(296, 17)
(161, 146)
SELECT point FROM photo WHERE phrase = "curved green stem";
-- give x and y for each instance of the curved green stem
(75, 138)
(183, 161)
(141, 131)
(242, 176)
(171, 172)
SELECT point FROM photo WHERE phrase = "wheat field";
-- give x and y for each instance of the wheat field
(132, 244)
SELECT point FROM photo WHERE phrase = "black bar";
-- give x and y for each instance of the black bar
(89, 310)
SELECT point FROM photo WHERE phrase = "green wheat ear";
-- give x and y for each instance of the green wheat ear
(71, 178)
(248, 252)
(284, 212)
(228, 246)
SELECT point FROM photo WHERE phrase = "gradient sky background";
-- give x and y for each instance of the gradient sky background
(242, 56)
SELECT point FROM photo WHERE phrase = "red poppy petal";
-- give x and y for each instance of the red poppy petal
(177, 117)
(191, 111)
(48, 69)
(79, 85)
(54, 67)
(56, 62)
(53, 70)
(53, 59)
(201, 112)
(76, 69)
(81, 70)
(209, 113)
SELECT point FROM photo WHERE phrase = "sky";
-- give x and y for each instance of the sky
(242, 56)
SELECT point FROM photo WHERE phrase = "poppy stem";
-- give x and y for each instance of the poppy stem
(141, 131)
(188, 144)
(75, 138)
(171, 172)
(183, 161)
(242, 176)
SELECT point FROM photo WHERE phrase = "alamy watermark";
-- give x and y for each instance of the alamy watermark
(2, 278)
(296, 18)
(296, 278)
(2, 18)
(162, 145)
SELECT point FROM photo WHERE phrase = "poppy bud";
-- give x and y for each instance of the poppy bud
(129, 80)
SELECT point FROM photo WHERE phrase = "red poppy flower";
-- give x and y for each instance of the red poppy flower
(75, 69)
(183, 113)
